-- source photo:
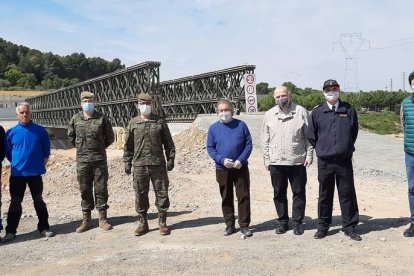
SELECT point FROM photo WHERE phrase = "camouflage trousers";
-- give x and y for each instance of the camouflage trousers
(159, 178)
(93, 184)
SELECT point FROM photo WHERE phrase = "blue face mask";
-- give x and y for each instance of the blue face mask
(88, 107)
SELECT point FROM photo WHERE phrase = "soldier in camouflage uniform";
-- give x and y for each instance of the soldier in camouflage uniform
(91, 133)
(147, 137)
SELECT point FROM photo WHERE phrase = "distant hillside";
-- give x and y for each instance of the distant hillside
(23, 67)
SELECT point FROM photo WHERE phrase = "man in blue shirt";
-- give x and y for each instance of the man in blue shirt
(1, 160)
(27, 147)
(229, 144)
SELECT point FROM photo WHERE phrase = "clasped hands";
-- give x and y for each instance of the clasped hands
(230, 164)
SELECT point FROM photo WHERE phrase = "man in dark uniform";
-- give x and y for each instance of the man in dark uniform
(147, 138)
(91, 133)
(333, 130)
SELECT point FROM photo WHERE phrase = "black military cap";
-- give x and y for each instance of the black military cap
(330, 83)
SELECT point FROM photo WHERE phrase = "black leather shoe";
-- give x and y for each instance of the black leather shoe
(281, 229)
(229, 230)
(320, 234)
(298, 229)
(354, 236)
(409, 232)
(246, 231)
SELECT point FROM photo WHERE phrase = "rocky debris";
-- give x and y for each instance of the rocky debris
(191, 150)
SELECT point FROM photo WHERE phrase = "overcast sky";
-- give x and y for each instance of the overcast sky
(299, 41)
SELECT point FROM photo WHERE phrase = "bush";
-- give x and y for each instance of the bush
(385, 122)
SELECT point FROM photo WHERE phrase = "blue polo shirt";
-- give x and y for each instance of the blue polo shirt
(26, 148)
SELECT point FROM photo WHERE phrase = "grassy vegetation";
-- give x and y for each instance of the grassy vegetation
(385, 122)
(23, 93)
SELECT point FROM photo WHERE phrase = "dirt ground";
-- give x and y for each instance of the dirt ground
(196, 245)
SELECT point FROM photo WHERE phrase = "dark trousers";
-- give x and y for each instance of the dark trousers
(17, 189)
(241, 181)
(342, 172)
(157, 174)
(297, 178)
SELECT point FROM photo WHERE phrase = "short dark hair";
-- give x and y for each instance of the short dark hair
(411, 77)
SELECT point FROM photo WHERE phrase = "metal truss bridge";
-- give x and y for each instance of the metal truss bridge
(177, 100)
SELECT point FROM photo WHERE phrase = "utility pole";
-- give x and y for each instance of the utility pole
(391, 84)
(351, 44)
(403, 80)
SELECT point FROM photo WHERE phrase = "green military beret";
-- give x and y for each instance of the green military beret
(144, 97)
(87, 94)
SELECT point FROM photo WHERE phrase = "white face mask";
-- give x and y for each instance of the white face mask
(225, 116)
(412, 87)
(144, 109)
(331, 95)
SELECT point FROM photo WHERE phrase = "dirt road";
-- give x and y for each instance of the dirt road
(196, 244)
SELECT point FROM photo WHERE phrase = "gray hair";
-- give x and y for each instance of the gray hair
(22, 104)
(229, 104)
(282, 87)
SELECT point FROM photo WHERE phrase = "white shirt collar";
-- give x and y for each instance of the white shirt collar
(336, 105)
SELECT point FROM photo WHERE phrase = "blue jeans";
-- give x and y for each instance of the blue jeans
(409, 165)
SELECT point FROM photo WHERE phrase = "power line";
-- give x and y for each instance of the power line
(351, 44)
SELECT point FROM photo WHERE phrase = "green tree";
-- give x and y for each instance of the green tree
(262, 88)
(266, 103)
(28, 80)
(13, 74)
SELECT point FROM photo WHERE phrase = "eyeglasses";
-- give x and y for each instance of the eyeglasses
(24, 112)
(281, 96)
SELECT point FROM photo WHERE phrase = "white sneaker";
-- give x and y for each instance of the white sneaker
(47, 233)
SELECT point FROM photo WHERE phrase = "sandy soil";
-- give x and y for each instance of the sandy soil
(196, 244)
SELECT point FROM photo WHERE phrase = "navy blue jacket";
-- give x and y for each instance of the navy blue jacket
(333, 134)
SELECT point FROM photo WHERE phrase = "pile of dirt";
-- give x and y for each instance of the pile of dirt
(191, 150)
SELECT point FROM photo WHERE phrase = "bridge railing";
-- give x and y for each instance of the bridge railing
(178, 100)
(116, 94)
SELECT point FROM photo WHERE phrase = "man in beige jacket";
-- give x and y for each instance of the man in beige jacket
(287, 153)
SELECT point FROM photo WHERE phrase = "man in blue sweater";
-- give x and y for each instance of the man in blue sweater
(27, 147)
(229, 144)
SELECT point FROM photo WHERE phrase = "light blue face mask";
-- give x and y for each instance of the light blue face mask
(88, 107)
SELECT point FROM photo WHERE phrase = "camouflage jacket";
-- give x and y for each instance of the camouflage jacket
(90, 136)
(146, 140)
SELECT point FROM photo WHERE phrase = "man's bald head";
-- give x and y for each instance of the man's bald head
(281, 92)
